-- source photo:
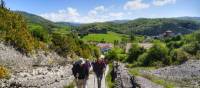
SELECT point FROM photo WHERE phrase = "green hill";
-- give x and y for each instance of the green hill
(144, 26)
(34, 19)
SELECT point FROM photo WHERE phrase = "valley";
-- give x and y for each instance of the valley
(141, 53)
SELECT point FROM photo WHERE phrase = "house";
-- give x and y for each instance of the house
(105, 47)
(168, 33)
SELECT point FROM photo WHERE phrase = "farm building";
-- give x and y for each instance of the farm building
(105, 47)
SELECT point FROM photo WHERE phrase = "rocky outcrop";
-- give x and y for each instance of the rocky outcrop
(15, 60)
(41, 70)
(186, 74)
(122, 78)
(40, 77)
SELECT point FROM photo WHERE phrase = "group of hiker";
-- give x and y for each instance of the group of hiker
(82, 68)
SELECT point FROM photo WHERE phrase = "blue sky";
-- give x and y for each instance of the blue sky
(87, 11)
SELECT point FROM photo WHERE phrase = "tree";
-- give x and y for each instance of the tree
(132, 36)
(112, 55)
(157, 55)
(96, 52)
(134, 53)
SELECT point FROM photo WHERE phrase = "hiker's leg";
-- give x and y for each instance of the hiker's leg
(100, 78)
(85, 83)
(99, 82)
(78, 83)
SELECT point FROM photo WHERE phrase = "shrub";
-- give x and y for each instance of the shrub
(4, 73)
(39, 32)
(134, 53)
(112, 55)
(192, 48)
(157, 54)
(14, 30)
(141, 59)
(179, 56)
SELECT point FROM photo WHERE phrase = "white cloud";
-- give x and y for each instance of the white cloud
(163, 2)
(97, 10)
(72, 12)
(135, 5)
(116, 15)
(97, 14)
(69, 14)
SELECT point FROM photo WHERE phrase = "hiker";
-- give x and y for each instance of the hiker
(80, 72)
(99, 67)
(87, 67)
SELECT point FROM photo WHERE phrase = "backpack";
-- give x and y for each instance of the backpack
(82, 70)
(76, 68)
(98, 67)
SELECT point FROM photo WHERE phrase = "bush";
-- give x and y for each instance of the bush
(141, 59)
(39, 32)
(14, 30)
(66, 45)
(112, 55)
(156, 55)
(4, 73)
(134, 53)
(192, 48)
(179, 56)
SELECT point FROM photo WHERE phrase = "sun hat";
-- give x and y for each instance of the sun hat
(82, 60)
(102, 57)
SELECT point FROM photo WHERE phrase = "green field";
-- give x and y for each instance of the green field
(110, 37)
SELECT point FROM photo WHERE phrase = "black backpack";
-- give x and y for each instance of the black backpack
(81, 70)
(98, 67)
(75, 68)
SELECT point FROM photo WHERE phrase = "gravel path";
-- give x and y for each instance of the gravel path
(145, 83)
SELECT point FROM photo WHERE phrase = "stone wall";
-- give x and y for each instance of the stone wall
(121, 77)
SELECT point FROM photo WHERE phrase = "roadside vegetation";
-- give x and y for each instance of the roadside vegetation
(165, 83)
(4, 72)
(110, 83)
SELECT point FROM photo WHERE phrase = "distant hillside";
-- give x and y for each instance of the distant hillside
(34, 19)
(68, 24)
(141, 26)
(40, 24)
(145, 26)
(197, 19)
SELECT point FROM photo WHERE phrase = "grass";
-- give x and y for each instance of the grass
(71, 85)
(62, 31)
(136, 72)
(108, 78)
(4, 73)
(110, 37)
